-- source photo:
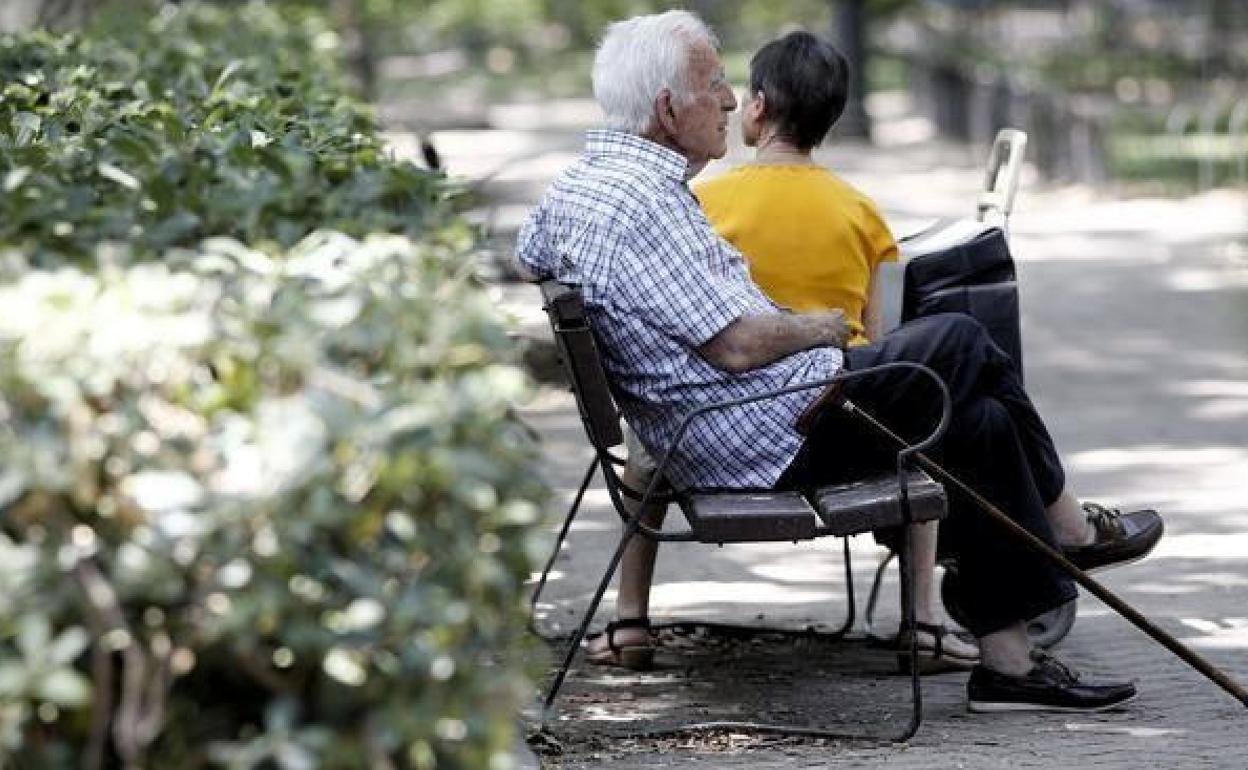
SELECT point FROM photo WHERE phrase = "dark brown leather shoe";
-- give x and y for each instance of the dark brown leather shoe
(1121, 538)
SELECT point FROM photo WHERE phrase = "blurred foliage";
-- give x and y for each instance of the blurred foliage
(166, 131)
(1126, 83)
(537, 25)
(461, 52)
(285, 497)
(266, 502)
(531, 29)
(1085, 45)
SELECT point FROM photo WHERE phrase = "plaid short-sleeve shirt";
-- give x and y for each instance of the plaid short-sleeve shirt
(659, 283)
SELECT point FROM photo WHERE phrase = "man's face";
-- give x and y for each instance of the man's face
(700, 117)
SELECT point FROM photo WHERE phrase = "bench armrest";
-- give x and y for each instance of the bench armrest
(903, 454)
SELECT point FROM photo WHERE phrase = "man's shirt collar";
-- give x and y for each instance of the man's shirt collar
(630, 147)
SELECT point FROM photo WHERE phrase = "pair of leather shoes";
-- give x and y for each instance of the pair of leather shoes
(1121, 538)
(1050, 686)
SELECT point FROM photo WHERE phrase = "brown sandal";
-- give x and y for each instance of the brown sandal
(637, 657)
(933, 656)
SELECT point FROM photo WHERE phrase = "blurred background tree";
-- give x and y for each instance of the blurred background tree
(1110, 89)
(1114, 89)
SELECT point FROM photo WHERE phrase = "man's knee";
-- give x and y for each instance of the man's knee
(959, 337)
(959, 330)
(947, 342)
(939, 336)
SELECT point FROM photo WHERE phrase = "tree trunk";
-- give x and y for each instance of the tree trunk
(65, 14)
(1225, 22)
(359, 43)
(850, 35)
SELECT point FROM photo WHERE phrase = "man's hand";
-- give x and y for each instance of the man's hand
(837, 325)
(753, 341)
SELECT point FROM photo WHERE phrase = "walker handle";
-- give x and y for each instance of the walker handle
(1005, 165)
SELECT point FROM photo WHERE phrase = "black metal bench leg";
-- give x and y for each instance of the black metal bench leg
(634, 524)
(851, 609)
(905, 562)
(874, 597)
(563, 534)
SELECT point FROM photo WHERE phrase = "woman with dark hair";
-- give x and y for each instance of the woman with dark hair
(813, 242)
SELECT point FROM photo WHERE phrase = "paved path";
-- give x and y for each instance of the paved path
(1136, 333)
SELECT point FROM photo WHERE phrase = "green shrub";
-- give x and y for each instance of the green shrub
(265, 501)
(202, 122)
(284, 502)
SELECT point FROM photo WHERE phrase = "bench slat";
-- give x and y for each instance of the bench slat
(740, 517)
(874, 503)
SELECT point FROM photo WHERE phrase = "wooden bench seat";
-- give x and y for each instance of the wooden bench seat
(840, 510)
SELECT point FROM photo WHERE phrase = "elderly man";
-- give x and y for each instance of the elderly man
(681, 324)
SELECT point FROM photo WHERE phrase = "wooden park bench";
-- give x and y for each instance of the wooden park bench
(718, 517)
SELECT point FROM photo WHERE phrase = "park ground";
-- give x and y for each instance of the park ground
(1135, 326)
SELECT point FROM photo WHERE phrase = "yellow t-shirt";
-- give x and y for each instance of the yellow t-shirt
(812, 241)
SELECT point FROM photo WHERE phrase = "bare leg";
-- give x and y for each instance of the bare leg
(1007, 651)
(923, 541)
(1069, 521)
(636, 566)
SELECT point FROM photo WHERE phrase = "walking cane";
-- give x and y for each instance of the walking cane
(1188, 656)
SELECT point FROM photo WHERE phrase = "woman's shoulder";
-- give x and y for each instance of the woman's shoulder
(852, 196)
(814, 185)
(842, 186)
(720, 182)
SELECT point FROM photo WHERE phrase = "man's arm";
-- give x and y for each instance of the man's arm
(753, 341)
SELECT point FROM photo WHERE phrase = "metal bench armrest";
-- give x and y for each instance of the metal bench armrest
(903, 455)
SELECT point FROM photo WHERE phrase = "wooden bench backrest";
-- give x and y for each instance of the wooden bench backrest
(565, 305)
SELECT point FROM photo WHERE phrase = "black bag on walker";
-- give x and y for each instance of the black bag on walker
(964, 267)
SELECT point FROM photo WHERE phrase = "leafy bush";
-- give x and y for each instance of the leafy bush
(266, 504)
(200, 122)
(285, 501)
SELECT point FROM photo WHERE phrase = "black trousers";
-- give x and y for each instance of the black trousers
(996, 442)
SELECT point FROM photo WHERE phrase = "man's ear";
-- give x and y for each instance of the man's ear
(665, 112)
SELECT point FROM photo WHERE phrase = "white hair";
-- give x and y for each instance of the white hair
(641, 56)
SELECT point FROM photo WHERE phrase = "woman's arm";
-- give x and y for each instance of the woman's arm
(884, 294)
